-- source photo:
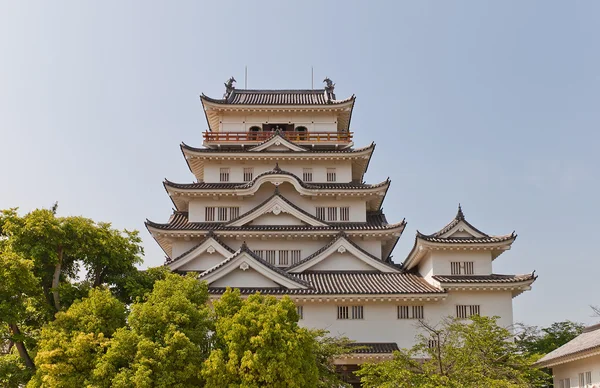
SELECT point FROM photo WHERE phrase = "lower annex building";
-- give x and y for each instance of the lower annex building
(279, 205)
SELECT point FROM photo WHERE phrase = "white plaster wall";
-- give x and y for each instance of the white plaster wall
(248, 278)
(280, 219)
(358, 207)
(314, 122)
(236, 170)
(202, 262)
(439, 262)
(380, 323)
(341, 262)
(180, 246)
(572, 369)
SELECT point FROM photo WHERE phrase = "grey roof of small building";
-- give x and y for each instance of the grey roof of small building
(493, 278)
(278, 97)
(588, 340)
(374, 347)
(349, 283)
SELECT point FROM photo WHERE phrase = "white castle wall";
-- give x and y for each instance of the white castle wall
(380, 323)
(343, 170)
(314, 122)
(357, 206)
(438, 262)
(572, 369)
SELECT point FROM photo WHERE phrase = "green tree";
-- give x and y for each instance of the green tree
(73, 343)
(258, 342)
(457, 354)
(166, 341)
(534, 340)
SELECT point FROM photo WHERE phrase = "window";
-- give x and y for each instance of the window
(260, 253)
(224, 174)
(342, 312)
(307, 174)
(300, 312)
(209, 214)
(253, 133)
(411, 312)
(248, 174)
(357, 312)
(270, 257)
(568, 383)
(581, 380)
(332, 214)
(320, 213)
(345, 213)
(461, 268)
(588, 378)
(350, 312)
(295, 256)
(561, 383)
(331, 175)
(466, 311)
(284, 258)
(433, 344)
(234, 212)
(300, 133)
(222, 214)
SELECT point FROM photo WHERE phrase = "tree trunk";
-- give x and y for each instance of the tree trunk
(98, 278)
(56, 279)
(14, 329)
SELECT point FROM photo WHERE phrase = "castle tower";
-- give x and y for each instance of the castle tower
(280, 206)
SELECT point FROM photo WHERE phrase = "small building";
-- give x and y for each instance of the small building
(576, 363)
(280, 206)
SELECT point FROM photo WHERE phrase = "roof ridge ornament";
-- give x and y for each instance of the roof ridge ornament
(460, 215)
(329, 86)
(229, 88)
(277, 169)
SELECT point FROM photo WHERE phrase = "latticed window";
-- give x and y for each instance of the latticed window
(342, 312)
(433, 344)
(209, 213)
(332, 213)
(345, 213)
(222, 214)
(320, 213)
(224, 174)
(270, 256)
(411, 312)
(588, 378)
(234, 212)
(466, 311)
(295, 256)
(284, 258)
(461, 268)
(300, 311)
(350, 312)
(331, 175)
(307, 174)
(248, 174)
(581, 380)
(357, 312)
(260, 253)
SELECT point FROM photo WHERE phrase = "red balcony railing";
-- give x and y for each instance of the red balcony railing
(295, 136)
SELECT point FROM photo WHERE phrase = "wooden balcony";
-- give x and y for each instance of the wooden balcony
(294, 136)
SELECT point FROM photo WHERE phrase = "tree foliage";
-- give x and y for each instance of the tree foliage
(534, 340)
(457, 354)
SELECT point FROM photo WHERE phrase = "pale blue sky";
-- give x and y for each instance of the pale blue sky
(491, 104)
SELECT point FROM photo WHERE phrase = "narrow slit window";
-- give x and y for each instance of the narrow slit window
(222, 214)
(410, 312)
(345, 213)
(248, 174)
(320, 213)
(467, 311)
(300, 311)
(332, 214)
(331, 175)
(295, 256)
(270, 257)
(357, 312)
(224, 174)
(234, 212)
(342, 312)
(284, 258)
(209, 214)
(307, 175)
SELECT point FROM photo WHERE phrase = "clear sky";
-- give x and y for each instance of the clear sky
(491, 104)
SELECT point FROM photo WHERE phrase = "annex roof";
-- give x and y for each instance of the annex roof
(586, 344)
(493, 278)
(458, 233)
(374, 347)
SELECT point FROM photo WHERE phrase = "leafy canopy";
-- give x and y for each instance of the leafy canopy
(457, 354)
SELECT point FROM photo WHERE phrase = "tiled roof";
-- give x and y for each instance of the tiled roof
(588, 340)
(179, 221)
(276, 171)
(374, 347)
(467, 240)
(350, 282)
(209, 235)
(278, 97)
(493, 278)
(307, 152)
